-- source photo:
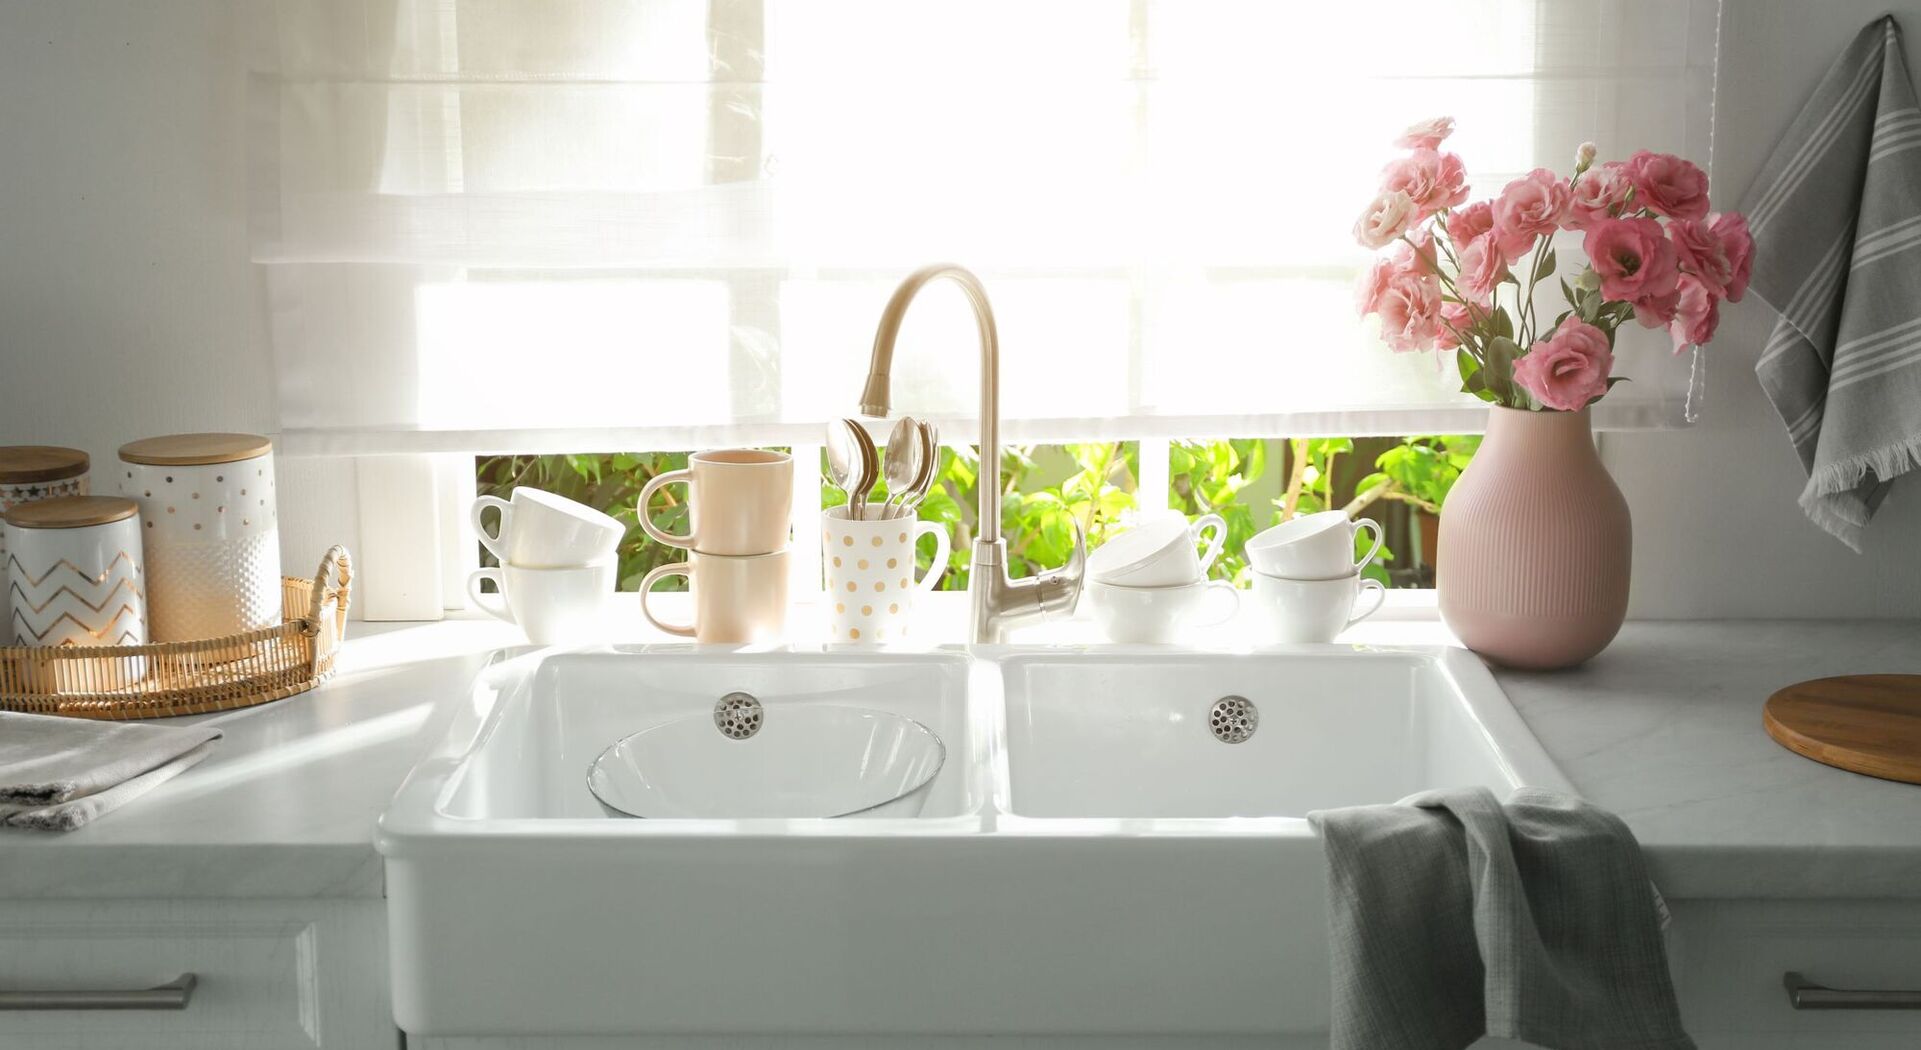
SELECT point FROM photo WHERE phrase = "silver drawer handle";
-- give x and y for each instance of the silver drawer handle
(1804, 994)
(174, 995)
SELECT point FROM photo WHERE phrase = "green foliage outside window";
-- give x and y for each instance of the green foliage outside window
(1047, 488)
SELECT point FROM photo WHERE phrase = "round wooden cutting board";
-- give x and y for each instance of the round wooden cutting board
(1863, 723)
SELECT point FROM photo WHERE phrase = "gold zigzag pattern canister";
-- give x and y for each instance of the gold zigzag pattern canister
(211, 532)
(29, 473)
(75, 577)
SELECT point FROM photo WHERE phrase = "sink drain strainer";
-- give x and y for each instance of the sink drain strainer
(737, 716)
(1233, 719)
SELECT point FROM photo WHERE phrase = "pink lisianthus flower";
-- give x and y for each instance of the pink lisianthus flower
(1410, 311)
(1700, 254)
(1668, 185)
(1431, 180)
(1428, 134)
(1372, 285)
(1696, 315)
(1414, 255)
(1481, 268)
(1454, 318)
(1385, 219)
(1569, 368)
(1465, 224)
(1732, 228)
(1528, 207)
(1636, 264)
(1600, 193)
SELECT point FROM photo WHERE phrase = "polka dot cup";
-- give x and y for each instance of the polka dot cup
(870, 574)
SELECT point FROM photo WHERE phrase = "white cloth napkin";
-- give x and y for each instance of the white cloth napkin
(56, 774)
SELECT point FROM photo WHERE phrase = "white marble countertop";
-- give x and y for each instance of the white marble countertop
(1664, 728)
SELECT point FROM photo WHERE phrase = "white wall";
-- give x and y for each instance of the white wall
(128, 306)
(1716, 528)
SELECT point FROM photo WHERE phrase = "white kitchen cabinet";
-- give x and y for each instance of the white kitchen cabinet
(1729, 958)
(268, 974)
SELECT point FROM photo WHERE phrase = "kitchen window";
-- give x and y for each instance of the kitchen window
(658, 225)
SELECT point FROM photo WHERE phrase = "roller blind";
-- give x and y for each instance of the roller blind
(487, 225)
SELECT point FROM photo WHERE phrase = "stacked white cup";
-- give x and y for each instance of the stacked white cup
(557, 568)
(1149, 584)
(1307, 581)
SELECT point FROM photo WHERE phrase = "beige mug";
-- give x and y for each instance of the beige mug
(737, 598)
(739, 502)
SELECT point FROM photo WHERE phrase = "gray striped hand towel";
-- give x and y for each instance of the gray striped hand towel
(1836, 219)
(1452, 915)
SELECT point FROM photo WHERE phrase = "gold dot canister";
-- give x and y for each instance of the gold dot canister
(211, 532)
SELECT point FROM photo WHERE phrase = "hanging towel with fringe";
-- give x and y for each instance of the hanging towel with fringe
(1836, 219)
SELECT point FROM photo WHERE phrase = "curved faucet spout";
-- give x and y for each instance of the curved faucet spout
(876, 398)
(998, 601)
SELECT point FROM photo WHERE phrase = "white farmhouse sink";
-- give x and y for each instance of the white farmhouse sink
(1090, 859)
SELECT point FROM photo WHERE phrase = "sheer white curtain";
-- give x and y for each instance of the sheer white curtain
(488, 225)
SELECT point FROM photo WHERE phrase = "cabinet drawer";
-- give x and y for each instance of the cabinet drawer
(268, 975)
(1730, 957)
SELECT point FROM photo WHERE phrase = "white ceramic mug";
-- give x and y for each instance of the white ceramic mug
(1315, 610)
(739, 502)
(1159, 551)
(571, 606)
(1312, 547)
(539, 530)
(870, 573)
(737, 599)
(1160, 614)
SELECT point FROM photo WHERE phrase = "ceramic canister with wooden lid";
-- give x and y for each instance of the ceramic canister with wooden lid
(78, 580)
(29, 473)
(212, 532)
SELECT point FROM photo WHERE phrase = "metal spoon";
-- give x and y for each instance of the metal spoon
(846, 460)
(930, 469)
(869, 469)
(902, 465)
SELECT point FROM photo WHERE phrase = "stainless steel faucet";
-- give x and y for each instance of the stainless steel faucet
(999, 601)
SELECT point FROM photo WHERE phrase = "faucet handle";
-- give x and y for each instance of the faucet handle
(1060, 589)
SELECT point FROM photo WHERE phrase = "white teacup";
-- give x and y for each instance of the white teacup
(1314, 610)
(1160, 614)
(539, 530)
(1312, 547)
(571, 606)
(1159, 551)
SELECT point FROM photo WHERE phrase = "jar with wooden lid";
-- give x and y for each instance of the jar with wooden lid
(29, 473)
(211, 532)
(78, 579)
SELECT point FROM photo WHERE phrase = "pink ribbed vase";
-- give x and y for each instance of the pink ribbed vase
(1535, 544)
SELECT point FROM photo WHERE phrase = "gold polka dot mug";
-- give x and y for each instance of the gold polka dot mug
(870, 574)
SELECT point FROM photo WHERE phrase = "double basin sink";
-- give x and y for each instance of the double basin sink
(1100, 853)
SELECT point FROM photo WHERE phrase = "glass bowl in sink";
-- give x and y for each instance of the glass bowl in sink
(798, 762)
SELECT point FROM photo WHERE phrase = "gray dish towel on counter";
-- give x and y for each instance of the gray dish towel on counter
(56, 774)
(1836, 219)
(1453, 916)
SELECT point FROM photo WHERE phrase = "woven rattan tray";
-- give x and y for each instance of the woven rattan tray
(190, 678)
